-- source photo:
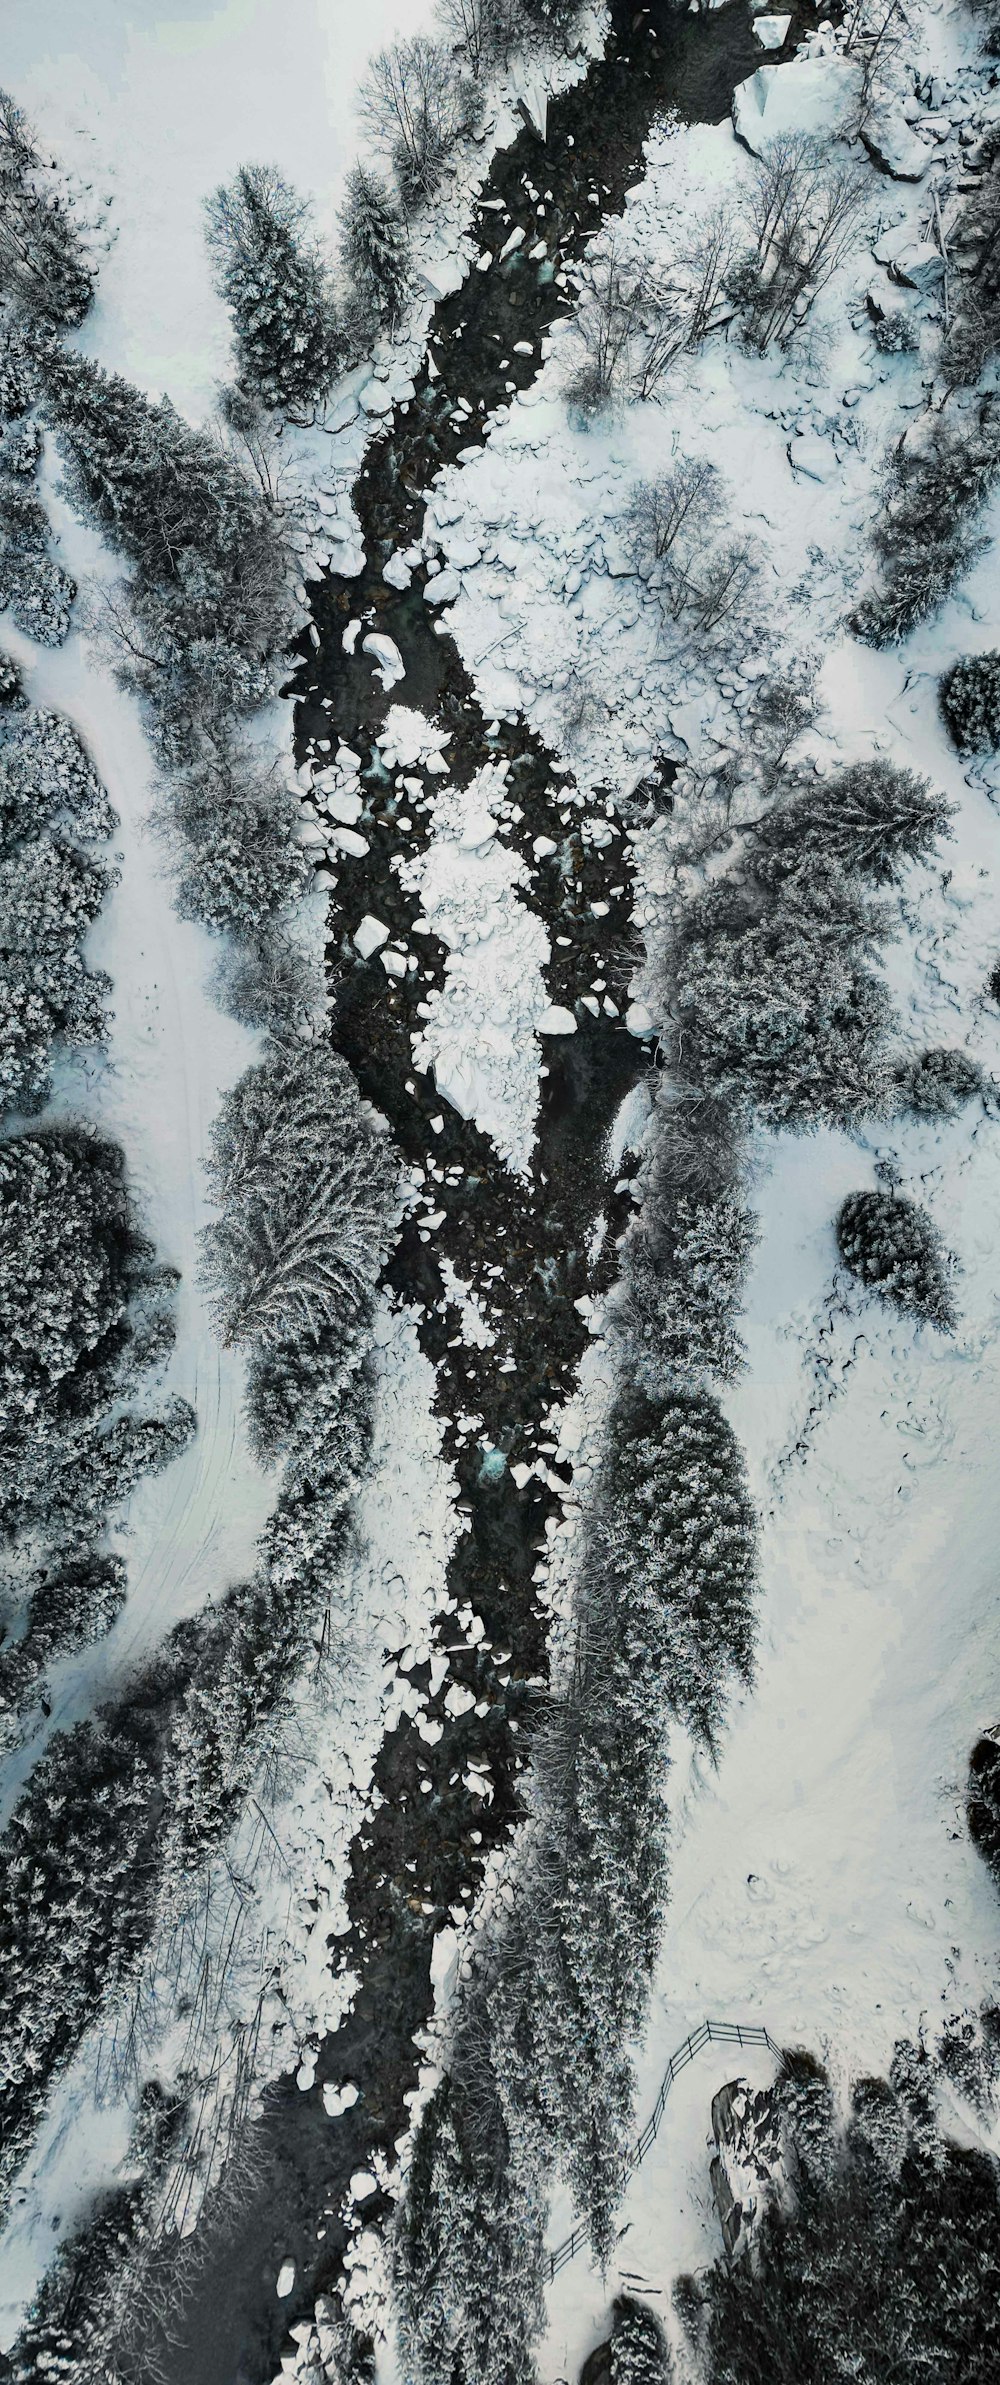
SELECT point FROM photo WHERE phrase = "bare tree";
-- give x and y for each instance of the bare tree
(485, 30)
(416, 105)
(672, 527)
(873, 30)
(804, 207)
(710, 262)
(631, 326)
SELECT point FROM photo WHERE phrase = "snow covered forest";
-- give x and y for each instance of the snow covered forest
(499, 1192)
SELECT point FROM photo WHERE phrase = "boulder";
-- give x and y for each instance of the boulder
(893, 148)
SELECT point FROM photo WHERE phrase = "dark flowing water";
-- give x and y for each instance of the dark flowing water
(227, 2326)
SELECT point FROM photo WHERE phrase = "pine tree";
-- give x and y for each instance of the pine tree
(640, 2354)
(895, 1249)
(375, 250)
(306, 1187)
(271, 276)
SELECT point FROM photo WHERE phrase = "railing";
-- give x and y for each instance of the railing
(709, 2033)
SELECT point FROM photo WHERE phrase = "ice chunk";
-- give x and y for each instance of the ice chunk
(556, 1021)
(286, 2280)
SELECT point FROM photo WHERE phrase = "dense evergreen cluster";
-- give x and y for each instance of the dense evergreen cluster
(43, 263)
(75, 1911)
(770, 979)
(895, 1249)
(83, 1309)
(936, 483)
(539, 2066)
(271, 274)
(970, 701)
(882, 2258)
(33, 588)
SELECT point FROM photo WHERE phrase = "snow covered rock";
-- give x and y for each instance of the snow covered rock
(893, 148)
(816, 457)
(286, 2280)
(811, 95)
(397, 572)
(556, 1021)
(389, 664)
(443, 588)
(370, 936)
(920, 265)
(638, 1019)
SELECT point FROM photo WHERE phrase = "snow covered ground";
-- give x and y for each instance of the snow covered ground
(152, 106)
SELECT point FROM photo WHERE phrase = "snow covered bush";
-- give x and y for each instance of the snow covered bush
(937, 479)
(630, 327)
(483, 31)
(894, 1249)
(675, 1315)
(896, 334)
(638, 2352)
(673, 1544)
(939, 1082)
(75, 1293)
(882, 2263)
(416, 106)
(773, 998)
(43, 265)
(47, 780)
(271, 275)
(306, 1187)
(33, 589)
(970, 702)
(699, 578)
(376, 253)
(72, 1601)
(229, 822)
(467, 2249)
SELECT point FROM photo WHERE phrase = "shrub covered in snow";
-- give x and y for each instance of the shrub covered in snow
(774, 1000)
(938, 1083)
(806, 201)
(896, 334)
(272, 277)
(173, 499)
(306, 1187)
(50, 894)
(894, 1248)
(883, 2262)
(229, 823)
(675, 1316)
(970, 702)
(638, 2352)
(43, 266)
(676, 529)
(925, 534)
(467, 2248)
(984, 1797)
